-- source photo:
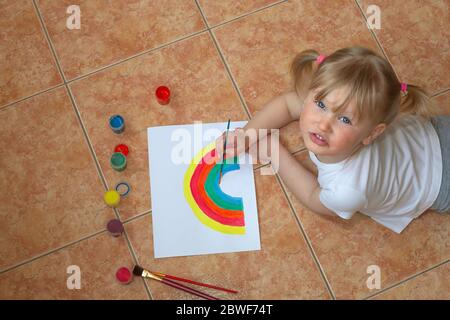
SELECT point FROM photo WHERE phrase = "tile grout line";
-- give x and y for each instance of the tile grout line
(247, 14)
(72, 99)
(307, 240)
(49, 252)
(203, 15)
(407, 279)
(136, 55)
(49, 42)
(133, 255)
(54, 56)
(87, 139)
(72, 243)
(103, 68)
(130, 245)
(135, 217)
(31, 96)
(230, 76)
(440, 93)
(91, 149)
(225, 64)
(374, 36)
(298, 151)
(133, 252)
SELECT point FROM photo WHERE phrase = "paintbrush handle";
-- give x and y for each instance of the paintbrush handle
(224, 147)
(167, 276)
(188, 289)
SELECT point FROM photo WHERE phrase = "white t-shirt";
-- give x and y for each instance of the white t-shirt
(393, 180)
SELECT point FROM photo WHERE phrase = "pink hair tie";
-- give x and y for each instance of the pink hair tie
(320, 58)
(403, 87)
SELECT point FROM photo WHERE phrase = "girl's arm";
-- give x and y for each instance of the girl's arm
(302, 183)
(277, 113)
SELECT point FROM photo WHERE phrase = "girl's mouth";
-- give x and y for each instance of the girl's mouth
(317, 139)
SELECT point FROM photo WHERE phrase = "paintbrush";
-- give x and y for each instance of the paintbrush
(223, 153)
(168, 276)
(141, 272)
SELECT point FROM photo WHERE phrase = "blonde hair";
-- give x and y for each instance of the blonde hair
(370, 80)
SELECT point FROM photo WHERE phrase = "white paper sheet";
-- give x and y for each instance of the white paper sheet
(177, 230)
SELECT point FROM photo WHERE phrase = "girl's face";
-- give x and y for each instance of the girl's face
(333, 137)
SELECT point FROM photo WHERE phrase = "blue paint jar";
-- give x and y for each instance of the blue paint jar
(117, 123)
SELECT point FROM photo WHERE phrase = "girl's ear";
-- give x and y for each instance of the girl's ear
(379, 129)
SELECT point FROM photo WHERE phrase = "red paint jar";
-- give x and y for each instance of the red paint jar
(122, 148)
(163, 95)
(124, 275)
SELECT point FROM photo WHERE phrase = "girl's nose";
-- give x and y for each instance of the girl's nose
(325, 123)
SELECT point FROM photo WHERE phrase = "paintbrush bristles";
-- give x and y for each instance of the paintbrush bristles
(137, 271)
(141, 272)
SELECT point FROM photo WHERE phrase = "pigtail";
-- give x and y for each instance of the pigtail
(416, 101)
(303, 67)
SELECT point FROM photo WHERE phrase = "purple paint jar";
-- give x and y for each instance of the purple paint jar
(115, 227)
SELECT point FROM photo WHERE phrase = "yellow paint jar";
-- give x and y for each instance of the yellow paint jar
(112, 198)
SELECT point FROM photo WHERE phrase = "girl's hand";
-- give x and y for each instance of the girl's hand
(236, 143)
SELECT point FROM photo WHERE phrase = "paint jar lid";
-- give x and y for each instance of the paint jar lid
(112, 198)
(118, 161)
(115, 227)
(116, 121)
(163, 92)
(123, 188)
(124, 275)
(122, 148)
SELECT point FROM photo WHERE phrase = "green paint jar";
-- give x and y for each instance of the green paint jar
(118, 161)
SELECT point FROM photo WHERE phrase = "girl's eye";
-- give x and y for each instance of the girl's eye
(346, 120)
(320, 104)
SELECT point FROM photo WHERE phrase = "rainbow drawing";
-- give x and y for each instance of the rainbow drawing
(210, 204)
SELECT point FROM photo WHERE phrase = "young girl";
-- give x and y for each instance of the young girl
(377, 148)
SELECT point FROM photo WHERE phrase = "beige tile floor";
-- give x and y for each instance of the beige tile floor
(222, 59)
